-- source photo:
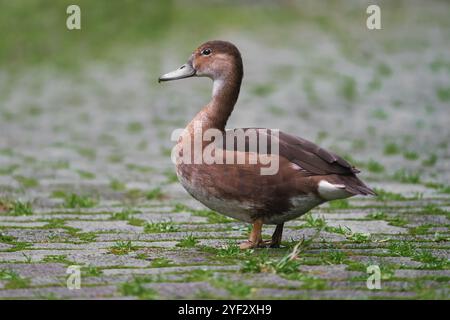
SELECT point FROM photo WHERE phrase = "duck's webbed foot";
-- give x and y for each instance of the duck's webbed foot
(251, 245)
(275, 242)
(255, 239)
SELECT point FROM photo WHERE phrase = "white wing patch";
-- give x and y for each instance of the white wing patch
(331, 191)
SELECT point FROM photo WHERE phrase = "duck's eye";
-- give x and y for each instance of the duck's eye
(206, 52)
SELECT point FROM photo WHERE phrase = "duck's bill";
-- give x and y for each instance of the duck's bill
(185, 71)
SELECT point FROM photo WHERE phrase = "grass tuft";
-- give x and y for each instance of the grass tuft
(162, 226)
(122, 247)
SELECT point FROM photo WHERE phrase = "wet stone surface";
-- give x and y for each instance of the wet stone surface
(86, 178)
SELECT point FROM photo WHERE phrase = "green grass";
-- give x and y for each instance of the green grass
(179, 207)
(212, 216)
(339, 204)
(134, 194)
(162, 226)
(198, 275)
(228, 253)
(19, 246)
(8, 170)
(16, 208)
(13, 280)
(122, 247)
(379, 215)
(125, 214)
(384, 70)
(397, 221)
(391, 148)
(308, 282)
(87, 236)
(231, 250)
(406, 176)
(171, 176)
(188, 242)
(91, 271)
(429, 261)
(262, 90)
(384, 195)
(154, 194)
(359, 237)
(136, 222)
(27, 182)
(320, 224)
(410, 155)
(74, 201)
(85, 174)
(434, 209)
(312, 222)
(430, 161)
(419, 230)
(443, 94)
(87, 153)
(441, 188)
(344, 230)
(401, 248)
(139, 168)
(117, 185)
(333, 257)
(59, 224)
(262, 263)
(375, 167)
(287, 267)
(408, 249)
(287, 264)
(6, 239)
(161, 263)
(56, 259)
(237, 289)
(348, 88)
(379, 114)
(136, 288)
(59, 194)
(135, 127)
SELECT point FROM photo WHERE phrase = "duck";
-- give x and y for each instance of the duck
(306, 175)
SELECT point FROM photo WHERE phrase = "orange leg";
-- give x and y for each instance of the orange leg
(255, 238)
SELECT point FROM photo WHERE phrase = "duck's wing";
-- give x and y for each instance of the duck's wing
(312, 159)
(309, 159)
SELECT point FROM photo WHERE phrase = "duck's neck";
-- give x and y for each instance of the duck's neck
(224, 96)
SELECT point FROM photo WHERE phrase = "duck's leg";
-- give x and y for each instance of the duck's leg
(276, 237)
(255, 238)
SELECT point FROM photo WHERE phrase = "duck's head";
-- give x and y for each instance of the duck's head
(216, 59)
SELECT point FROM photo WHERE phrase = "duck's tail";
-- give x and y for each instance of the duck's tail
(355, 186)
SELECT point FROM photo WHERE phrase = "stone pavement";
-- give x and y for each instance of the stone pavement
(86, 178)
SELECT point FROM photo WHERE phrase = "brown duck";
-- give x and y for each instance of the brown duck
(306, 174)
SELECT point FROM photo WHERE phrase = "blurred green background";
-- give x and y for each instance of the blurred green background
(33, 31)
(311, 68)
